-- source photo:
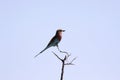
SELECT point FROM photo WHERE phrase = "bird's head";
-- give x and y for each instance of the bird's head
(59, 31)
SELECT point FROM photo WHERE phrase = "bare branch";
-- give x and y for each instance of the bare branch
(64, 62)
(57, 56)
(73, 59)
(69, 64)
(65, 58)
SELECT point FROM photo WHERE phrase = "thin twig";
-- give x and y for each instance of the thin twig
(73, 59)
(70, 63)
(57, 56)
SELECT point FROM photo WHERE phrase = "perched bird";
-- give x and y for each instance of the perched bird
(54, 41)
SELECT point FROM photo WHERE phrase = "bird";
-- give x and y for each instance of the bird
(54, 41)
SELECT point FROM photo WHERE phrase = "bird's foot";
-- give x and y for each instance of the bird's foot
(65, 53)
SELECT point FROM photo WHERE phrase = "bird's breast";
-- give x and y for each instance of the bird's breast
(59, 37)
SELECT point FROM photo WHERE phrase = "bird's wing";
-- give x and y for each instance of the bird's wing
(53, 42)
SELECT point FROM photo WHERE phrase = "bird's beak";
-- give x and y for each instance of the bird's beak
(63, 30)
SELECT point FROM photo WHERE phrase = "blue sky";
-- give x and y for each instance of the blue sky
(92, 34)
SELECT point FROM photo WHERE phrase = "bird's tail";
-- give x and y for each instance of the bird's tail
(40, 52)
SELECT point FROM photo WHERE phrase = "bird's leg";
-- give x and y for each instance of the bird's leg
(58, 48)
(63, 51)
